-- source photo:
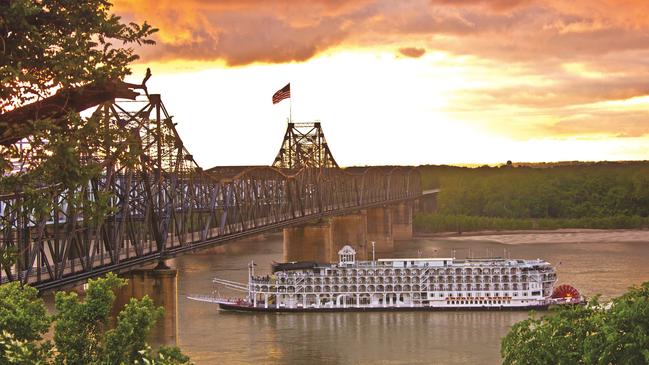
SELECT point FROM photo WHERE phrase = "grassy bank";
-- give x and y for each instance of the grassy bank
(432, 223)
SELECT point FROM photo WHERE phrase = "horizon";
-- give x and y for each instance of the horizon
(478, 165)
(422, 82)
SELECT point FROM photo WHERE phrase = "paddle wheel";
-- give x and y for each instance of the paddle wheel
(565, 293)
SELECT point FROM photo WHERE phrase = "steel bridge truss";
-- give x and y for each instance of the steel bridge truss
(164, 204)
(304, 145)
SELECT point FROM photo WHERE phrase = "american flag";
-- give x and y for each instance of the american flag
(282, 94)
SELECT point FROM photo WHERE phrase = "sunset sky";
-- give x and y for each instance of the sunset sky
(404, 82)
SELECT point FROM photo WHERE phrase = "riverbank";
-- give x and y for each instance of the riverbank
(513, 237)
(439, 223)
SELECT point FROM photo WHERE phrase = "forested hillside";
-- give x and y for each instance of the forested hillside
(597, 195)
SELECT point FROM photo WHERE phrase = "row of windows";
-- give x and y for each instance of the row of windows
(389, 279)
(405, 286)
(457, 271)
(381, 289)
(479, 295)
(478, 302)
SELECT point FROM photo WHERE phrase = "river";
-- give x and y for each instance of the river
(210, 336)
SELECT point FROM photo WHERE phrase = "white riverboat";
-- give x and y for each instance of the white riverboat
(399, 284)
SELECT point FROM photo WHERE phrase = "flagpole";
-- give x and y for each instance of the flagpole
(290, 110)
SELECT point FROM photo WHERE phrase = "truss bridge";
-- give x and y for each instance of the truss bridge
(162, 203)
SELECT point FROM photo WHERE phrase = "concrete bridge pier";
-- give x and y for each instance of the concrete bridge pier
(308, 242)
(350, 230)
(161, 285)
(379, 229)
(402, 220)
(321, 241)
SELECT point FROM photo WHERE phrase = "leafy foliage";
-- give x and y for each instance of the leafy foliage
(81, 328)
(593, 334)
(49, 46)
(54, 44)
(17, 352)
(22, 313)
(126, 340)
(80, 325)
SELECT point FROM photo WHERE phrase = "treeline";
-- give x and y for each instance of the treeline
(595, 195)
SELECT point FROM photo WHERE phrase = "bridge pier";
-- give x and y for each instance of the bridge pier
(351, 230)
(402, 220)
(308, 242)
(161, 285)
(321, 241)
(379, 229)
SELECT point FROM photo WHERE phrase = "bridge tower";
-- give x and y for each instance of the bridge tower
(304, 145)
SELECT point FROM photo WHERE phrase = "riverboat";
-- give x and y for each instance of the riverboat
(399, 284)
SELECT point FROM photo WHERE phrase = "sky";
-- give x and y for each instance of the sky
(403, 82)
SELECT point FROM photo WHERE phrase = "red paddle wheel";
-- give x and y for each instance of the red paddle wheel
(565, 291)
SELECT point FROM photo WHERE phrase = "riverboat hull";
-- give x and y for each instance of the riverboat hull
(243, 307)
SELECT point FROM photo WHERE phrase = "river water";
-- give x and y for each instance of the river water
(210, 336)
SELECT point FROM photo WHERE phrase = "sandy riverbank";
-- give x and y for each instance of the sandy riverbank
(545, 236)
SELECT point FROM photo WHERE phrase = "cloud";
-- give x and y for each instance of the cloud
(609, 123)
(248, 31)
(565, 92)
(412, 52)
(499, 5)
(566, 54)
(244, 32)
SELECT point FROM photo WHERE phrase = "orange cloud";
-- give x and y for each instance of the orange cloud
(242, 32)
(498, 5)
(586, 51)
(413, 52)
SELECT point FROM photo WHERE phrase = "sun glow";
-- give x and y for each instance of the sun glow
(377, 107)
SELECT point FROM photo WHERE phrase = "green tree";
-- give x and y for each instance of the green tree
(80, 325)
(617, 333)
(22, 312)
(52, 47)
(17, 352)
(125, 342)
(81, 328)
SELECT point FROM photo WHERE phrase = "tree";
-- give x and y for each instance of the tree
(592, 334)
(127, 339)
(81, 328)
(59, 47)
(17, 352)
(52, 45)
(22, 312)
(80, 325)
